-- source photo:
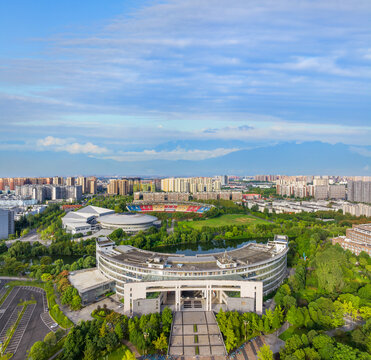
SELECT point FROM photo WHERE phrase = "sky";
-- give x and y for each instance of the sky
(138, 81)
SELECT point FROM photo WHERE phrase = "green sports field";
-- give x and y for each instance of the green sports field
(228, 219)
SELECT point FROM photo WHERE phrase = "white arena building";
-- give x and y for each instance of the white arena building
(130, 223)
(92, 218)
(234, 280)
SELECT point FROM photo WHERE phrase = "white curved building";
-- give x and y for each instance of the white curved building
(93, 217)
(130, 223)
(238, 278)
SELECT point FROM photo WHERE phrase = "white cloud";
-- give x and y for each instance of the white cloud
(326, 65)
(367, 54)
(361, 151)
(249, 61)
(290, 131)
(177, 154)
(59, 144)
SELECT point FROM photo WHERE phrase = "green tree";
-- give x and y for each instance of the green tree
(230, 338)
(265, 353)
(76, 302)
(119, 332)
(50, 339)
(46, 260)
(90, 352)
(312, 354)
(39, 351)
(161, 343)
(166, 320)
(329, 271)
(128, 355)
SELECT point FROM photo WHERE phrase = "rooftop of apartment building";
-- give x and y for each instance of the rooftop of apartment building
(363, 227)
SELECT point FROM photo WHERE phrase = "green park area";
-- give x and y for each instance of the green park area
(224, 220)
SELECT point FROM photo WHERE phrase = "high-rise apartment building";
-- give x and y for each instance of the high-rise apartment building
(112, 188)
(223, 179)
(6, 223)
(124, 186)
(266, 177)
(321, 181)
(320, 192)
(91, 185)
(70, 181)
(81, 180)
(336, 192)
(359, 191)
(57, 180)
(299, 187)
(67, 192)
(193, 185)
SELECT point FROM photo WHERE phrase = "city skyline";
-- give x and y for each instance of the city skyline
(127, 86)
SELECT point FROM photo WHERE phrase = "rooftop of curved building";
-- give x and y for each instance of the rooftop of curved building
(247, 255)
(127, 219)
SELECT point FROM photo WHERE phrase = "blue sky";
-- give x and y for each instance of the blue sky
(182, 80)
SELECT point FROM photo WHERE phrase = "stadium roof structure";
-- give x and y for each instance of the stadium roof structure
(127, 219)
(84, 214)
(95, 210)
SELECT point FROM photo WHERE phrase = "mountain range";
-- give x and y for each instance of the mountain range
(286, 158)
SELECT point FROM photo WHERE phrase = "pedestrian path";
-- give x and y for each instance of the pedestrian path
(249, 350)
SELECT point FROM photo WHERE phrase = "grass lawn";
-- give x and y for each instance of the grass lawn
(227, 219)
(117, 354)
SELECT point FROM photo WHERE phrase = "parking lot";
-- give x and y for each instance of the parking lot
(32, 327)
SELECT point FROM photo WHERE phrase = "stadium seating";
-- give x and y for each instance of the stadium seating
(168, 208)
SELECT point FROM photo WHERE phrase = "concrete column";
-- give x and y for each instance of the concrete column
(208, 297)
(259, 298)
(127, 300)
(177, 298)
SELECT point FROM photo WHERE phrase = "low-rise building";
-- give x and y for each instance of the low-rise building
(357, 239)
(91, 285)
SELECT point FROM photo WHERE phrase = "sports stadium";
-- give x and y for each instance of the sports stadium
(187, 207)
(92, 218)
(130, 223)
(233, 280)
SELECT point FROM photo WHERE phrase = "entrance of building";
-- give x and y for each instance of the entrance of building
(192, 300)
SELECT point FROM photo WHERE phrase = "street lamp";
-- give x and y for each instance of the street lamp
(145, 334)
(245, 322)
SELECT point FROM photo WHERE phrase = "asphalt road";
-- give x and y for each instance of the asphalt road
(35, 329)
(31, 237)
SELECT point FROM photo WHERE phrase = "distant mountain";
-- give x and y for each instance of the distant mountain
(286, 158)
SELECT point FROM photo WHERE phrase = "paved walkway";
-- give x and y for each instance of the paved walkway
(349, 325)
(274, 342)
(249, 350)
(196, 334)
(132, 348)
(85, 313)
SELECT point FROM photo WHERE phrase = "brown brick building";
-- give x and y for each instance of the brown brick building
(357, 239)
